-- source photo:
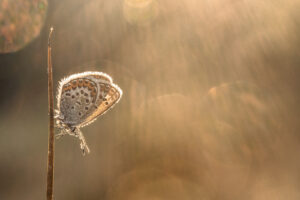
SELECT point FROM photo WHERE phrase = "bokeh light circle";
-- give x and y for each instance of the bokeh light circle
(20, 22)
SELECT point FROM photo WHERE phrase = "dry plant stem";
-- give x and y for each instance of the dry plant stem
(50, 168)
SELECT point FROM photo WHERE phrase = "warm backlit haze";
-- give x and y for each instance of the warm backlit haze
(210, 109)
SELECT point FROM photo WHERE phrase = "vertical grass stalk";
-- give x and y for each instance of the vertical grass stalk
(50, 166)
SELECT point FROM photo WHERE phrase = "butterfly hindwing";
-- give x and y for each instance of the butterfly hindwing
(111, 94)
(83, 97)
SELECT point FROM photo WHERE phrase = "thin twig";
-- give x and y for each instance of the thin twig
(50, 168)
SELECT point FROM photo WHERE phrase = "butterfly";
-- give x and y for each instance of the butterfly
(81, 98)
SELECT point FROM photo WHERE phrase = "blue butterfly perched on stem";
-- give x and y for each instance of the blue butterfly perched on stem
(81, 98)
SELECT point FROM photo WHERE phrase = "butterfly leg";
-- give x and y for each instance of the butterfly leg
(61, 134)
(64, 132)
(83, 145)
(56, 115)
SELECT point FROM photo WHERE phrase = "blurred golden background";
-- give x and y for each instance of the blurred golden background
(210, 109)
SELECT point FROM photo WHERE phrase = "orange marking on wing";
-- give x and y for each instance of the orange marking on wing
(85, 83)
(101, 77)
(67, 88)
(74, 84)
(80, 83)
(90, 86)
(114, 95)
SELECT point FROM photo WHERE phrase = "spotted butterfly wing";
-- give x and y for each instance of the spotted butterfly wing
(110, 94)
(83, 97)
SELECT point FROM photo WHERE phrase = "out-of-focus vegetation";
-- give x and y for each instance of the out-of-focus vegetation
(210, 107)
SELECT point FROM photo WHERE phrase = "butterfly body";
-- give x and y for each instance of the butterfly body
(82, 98)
